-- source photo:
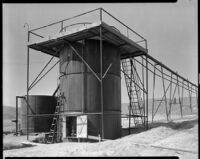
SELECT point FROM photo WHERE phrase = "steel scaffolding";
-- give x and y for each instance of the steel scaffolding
(136, 66)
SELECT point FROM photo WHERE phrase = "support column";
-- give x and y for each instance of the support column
(170, 96)
(190, 97)
(164, 93)
(143, 102)
(16, 115)
(182, 94)
(147, 89)
(101, 85)
(154, 80)
(27, 113)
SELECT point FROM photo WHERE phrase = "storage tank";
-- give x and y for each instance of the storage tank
(39, 104)
(82, 89)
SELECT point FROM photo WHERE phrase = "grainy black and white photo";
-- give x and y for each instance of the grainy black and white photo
(100, 79)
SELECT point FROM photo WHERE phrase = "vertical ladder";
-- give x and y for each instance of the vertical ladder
(54, 134)
(134, 92)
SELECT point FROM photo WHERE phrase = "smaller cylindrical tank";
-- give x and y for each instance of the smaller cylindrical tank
(38, 105)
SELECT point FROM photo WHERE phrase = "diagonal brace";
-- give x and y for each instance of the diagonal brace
(83, 60)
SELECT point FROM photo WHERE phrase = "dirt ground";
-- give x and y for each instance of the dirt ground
(175, 138)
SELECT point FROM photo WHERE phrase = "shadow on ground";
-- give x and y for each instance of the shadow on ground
(173, 125)
(9, 146)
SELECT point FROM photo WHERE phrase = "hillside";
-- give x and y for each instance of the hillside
(162, 109)
(9, 114)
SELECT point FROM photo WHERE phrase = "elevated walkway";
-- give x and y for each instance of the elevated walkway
(50, 44)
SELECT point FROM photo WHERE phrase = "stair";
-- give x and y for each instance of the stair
(134, 92)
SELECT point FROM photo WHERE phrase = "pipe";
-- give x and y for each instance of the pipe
(167, 68)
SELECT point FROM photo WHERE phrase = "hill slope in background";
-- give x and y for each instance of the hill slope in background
(161, 110)
(9, 113)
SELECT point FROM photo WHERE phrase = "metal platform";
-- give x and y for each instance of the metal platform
(128, 47)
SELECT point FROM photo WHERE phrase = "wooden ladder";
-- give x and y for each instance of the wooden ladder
(53, 135)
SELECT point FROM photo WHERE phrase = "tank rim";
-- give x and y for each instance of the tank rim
(39, 95)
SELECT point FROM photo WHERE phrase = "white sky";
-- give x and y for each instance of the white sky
(171, 31)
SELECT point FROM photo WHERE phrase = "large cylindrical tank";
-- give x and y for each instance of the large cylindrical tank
(82, 89)
(38, 105)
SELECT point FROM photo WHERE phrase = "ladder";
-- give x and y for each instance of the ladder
(54, 134)
(134, 92)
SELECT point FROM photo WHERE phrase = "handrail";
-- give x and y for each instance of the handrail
(100, 14)
(65, 19)
(123, 24)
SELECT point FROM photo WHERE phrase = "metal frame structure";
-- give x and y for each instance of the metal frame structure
(133, 79)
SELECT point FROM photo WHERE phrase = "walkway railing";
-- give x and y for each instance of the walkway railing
(87, 18)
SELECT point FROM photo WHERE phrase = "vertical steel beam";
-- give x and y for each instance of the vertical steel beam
(131, 91)
(129, 119)
(164, 92)
(16, 115)
(197, 95)
(27, 113)
(154, 79)
(82, 72)
(182, 93)
(101, 83)
(174, 93)
(147, 88)
(130, 95)
(179, 98)
(101, 15)
(170, 96)
(190, 96)
(143, 103)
